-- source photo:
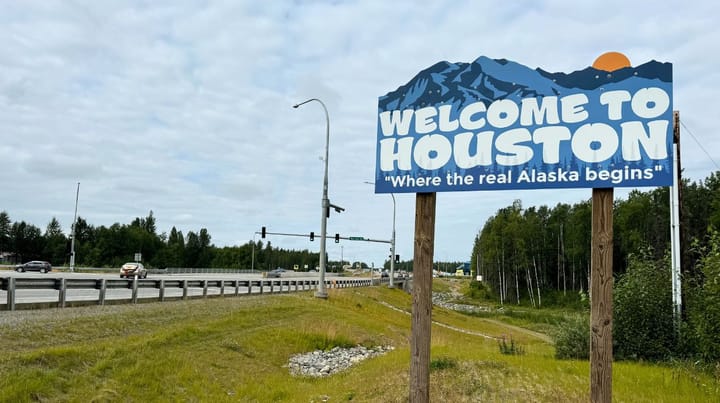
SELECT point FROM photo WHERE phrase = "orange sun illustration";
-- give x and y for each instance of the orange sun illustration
(611, 61)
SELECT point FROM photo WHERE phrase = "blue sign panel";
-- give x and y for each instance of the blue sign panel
(497, 125)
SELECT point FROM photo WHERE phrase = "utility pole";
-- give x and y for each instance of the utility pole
(675, 237)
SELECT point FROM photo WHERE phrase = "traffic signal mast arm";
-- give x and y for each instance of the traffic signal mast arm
(352, 238)
(284, 234)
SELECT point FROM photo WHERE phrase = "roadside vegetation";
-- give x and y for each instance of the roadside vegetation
(237, 349)
(535, 268)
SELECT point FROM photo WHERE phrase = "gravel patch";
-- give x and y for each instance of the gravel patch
(441, 299)
(320, 363)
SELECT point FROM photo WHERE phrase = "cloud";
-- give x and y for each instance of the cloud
(184, 107)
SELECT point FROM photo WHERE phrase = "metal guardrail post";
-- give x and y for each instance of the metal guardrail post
(237, 287)
(249, 287)
(11, 294)
(134, 289)
(62, 293)
(185, 289)
(102, 292)
(222, 288)
(205, 288)
(161, 292)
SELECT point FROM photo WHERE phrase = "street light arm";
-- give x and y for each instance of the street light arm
(304, 102)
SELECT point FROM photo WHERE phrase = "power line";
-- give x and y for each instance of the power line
(682, 123)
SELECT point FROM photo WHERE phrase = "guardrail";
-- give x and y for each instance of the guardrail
(190, 288)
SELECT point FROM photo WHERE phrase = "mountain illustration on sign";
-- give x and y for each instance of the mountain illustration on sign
(488, 80)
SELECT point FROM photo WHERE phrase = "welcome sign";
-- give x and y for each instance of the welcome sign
(494, 124)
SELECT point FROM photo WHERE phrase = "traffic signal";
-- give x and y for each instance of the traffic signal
(337, 238)
(312, 236)
(263, 232)
(397, 258)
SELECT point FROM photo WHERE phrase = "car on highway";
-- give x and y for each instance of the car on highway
(133, 269)
(275, 273)
(34, 265)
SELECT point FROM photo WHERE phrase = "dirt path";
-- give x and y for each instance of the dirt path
(455, 292)
(519, 329)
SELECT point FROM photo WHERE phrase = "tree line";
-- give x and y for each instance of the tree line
(101, 246)
(525, 252)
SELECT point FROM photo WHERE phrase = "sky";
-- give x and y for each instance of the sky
(184, 107)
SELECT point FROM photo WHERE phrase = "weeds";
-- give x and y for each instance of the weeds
(442, 363)
(510, 348)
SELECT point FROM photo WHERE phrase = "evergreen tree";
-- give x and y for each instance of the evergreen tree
(5, 227)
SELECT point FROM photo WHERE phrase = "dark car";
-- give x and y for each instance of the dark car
(35, 265)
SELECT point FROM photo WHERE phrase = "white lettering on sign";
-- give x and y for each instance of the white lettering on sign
(509, 134)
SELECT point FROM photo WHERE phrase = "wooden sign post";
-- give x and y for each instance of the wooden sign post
(601, 296)
(422, 297)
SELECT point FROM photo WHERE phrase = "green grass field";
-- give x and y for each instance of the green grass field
(237, 350)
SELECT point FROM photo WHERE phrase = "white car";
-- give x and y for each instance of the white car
(133, 269)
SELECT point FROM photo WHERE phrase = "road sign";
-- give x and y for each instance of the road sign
(356, 238)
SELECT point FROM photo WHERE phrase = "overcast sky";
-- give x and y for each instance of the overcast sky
(185, 107)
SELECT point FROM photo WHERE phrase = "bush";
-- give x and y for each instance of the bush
(703, 305)
(642, 309)
(479, 290)
(572, 340)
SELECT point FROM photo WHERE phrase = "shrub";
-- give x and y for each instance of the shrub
(572, 340)
(642, 309)
(479, 290)
(703, 306)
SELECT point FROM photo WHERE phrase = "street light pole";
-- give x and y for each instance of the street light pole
(392, 243)
(252, 262)
(72, 240)
(325, 205)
